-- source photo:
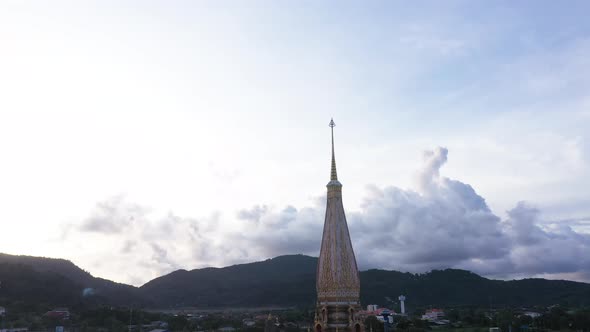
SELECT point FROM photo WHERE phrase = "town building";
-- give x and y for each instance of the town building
(337, 279)
(226, 329)
(59, 313)
(372, 307)
(248, 322)
(402, 304)
(532, 314)
(433, 315)
(271, 324)
(379, 313)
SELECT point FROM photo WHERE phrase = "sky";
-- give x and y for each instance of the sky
(141, 137)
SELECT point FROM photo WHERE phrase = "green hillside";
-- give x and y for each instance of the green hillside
(283, 281)
(63, 279)
(290, 281)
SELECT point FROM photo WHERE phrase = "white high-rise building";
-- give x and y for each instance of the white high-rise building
(402, 302)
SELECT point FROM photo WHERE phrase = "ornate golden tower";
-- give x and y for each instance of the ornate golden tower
(337, 280)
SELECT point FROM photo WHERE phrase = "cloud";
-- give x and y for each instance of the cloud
(161, 258)
(448, 224)
(112, 216)
(545, 248)
(426, 40)
(433, 161)
(444, 223)
(128, 247)
(286, 231)
(252, 214)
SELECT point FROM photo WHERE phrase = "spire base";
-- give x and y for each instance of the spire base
(334, 183)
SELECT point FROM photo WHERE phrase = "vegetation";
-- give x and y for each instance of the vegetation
(290, 280)
(284, 281)
(41, 275)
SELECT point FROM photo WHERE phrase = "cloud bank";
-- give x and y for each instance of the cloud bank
(443, 223)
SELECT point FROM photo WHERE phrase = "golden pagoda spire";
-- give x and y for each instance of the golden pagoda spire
(337, 278)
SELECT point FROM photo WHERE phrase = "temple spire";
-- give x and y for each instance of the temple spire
(333, 175)
(337, 278)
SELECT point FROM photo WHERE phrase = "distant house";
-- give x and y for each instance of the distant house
(2, 311)
(271, 324)
(374, 310)
(372, 307)
(15, 329)
(532, 314)
(226, 329)
(291, 325)
(433, 315)
(304, 325)
(260, 317)
(155, 325)
(61, 313)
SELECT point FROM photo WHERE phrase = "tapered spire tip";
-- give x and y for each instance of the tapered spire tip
(333, 174)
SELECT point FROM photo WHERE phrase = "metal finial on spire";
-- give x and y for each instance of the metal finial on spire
(333, 175)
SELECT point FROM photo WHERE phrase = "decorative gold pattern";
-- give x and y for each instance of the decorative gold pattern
(337, 276)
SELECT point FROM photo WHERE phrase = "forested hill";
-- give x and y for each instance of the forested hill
(281, 281)
(453, 287)
(59, 282)
(290, 280)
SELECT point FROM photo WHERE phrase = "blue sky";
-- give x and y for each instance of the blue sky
(190, 134)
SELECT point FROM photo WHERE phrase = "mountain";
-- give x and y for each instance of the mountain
(282, 281)
(34, 278)
(22, 286)
(452, 287)
(290, 280)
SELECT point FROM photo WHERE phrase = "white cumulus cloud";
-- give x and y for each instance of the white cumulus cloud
(443, 223)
